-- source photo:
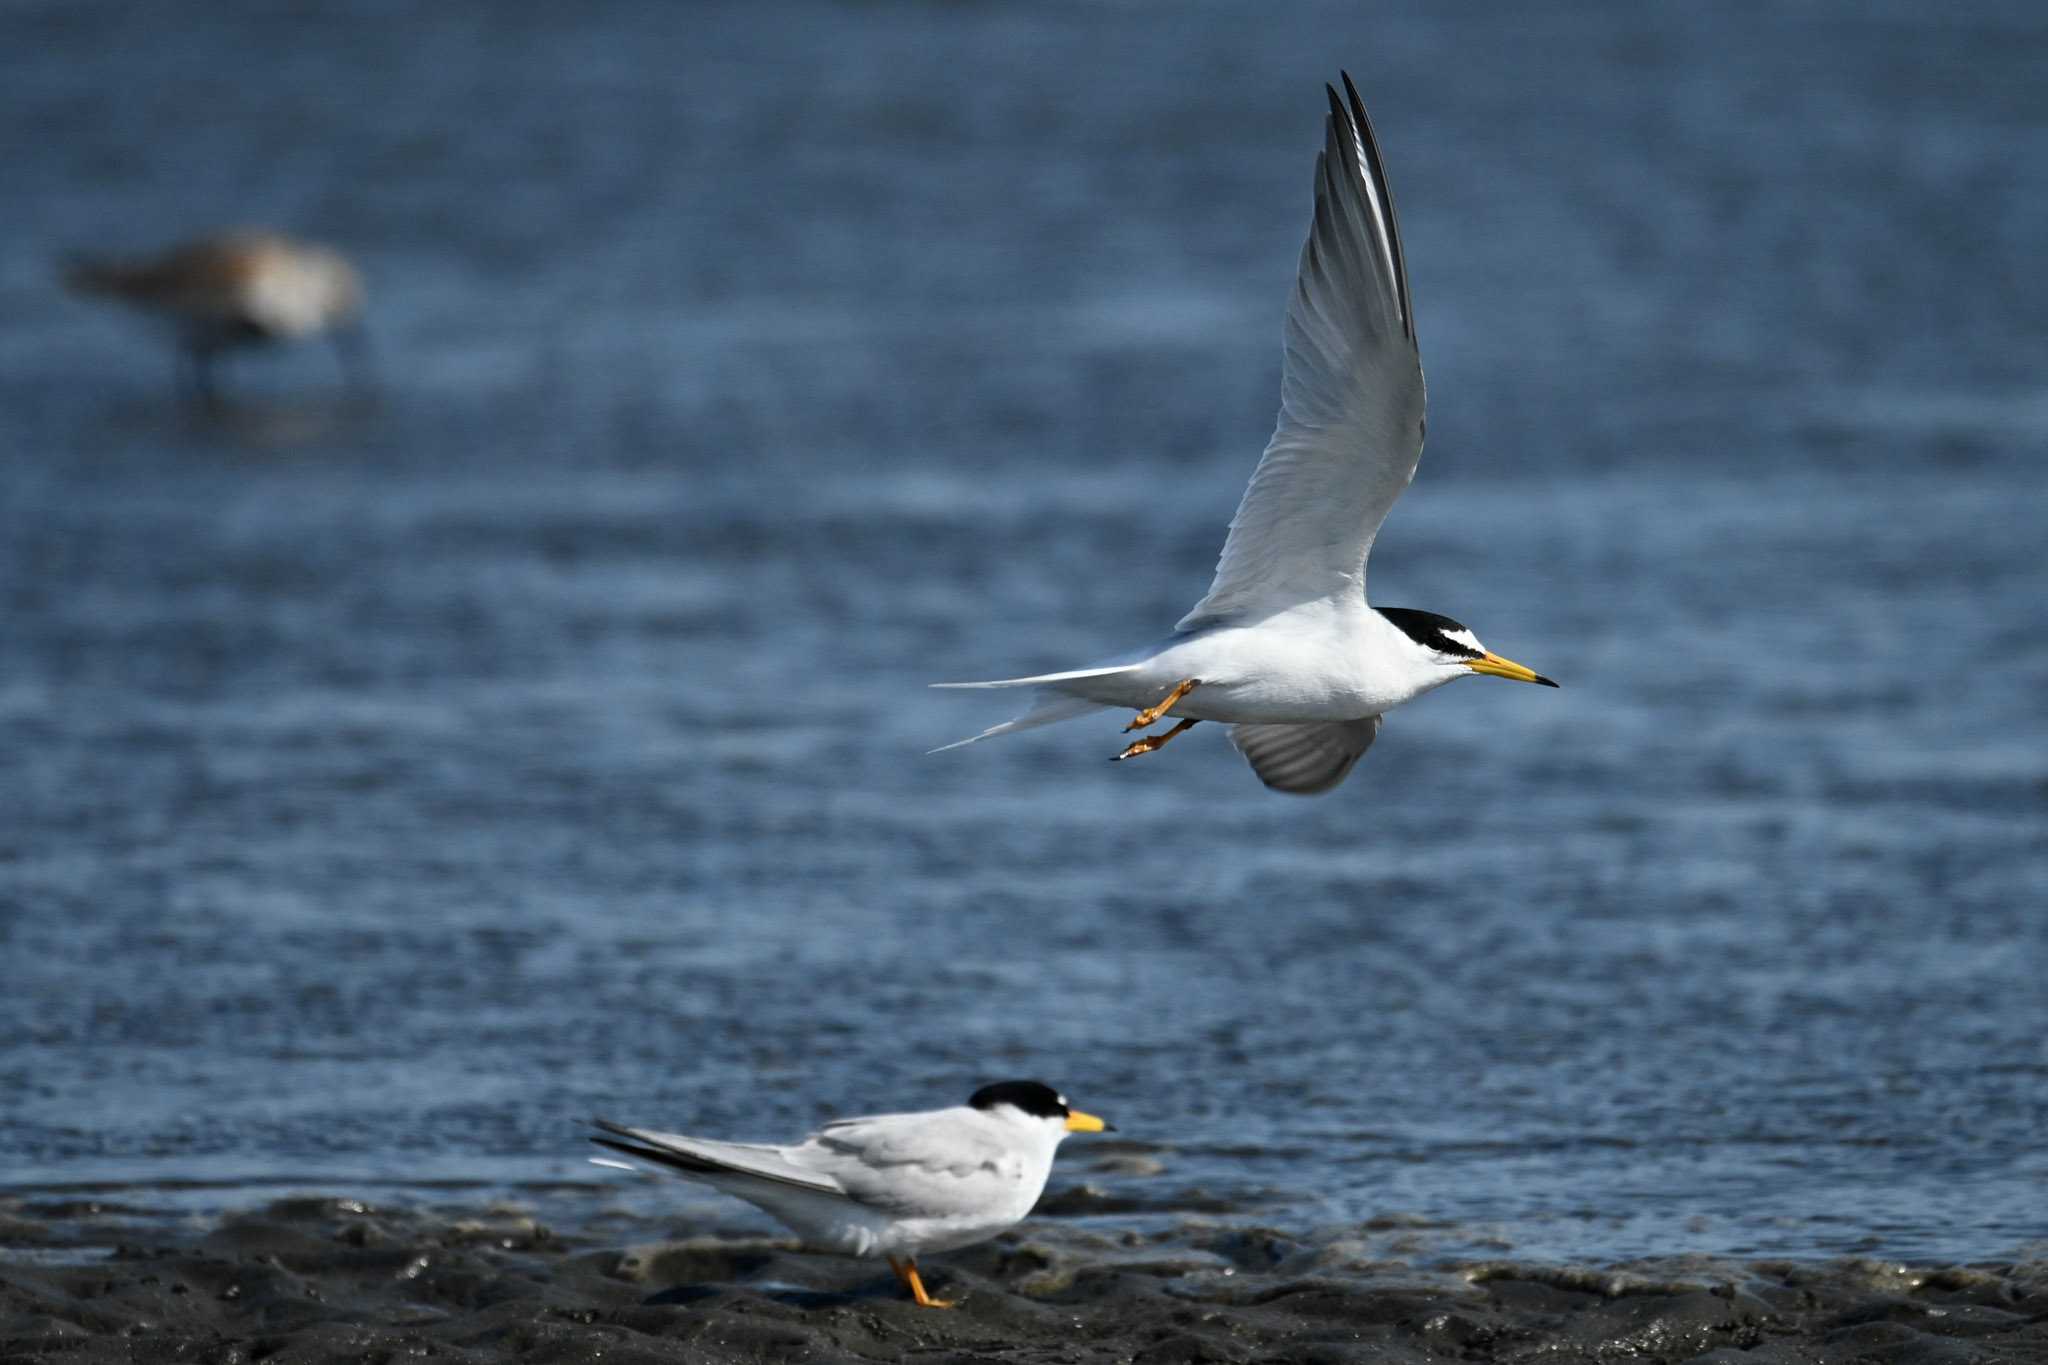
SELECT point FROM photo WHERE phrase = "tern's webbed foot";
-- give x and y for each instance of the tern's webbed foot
(1151, 742)
(1151, 715)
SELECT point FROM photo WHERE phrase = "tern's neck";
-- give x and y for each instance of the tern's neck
(1399, 669)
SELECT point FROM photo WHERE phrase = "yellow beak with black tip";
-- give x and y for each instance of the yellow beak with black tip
(1493, 666)
(1078, 1122)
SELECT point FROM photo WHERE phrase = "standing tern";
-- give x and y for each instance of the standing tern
(890, 1185)
(1284, 648)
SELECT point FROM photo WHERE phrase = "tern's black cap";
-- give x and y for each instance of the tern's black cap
(1035, 1098)
(1431, 631)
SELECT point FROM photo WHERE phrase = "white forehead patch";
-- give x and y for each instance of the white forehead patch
(1465, 638)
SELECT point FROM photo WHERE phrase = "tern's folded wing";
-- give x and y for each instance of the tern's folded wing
(694, 1156)
(930, 1162)
(1351, 400)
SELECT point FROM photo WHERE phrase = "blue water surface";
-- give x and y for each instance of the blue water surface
(386, 786)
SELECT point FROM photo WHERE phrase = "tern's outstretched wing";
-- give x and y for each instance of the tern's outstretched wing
(1351, 402)
(1305, 759)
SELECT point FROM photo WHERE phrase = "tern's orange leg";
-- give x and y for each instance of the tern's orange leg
(1151, 714)
(906, 1271)
(1151, 742)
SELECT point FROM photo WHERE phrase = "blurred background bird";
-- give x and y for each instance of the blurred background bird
(237, 289)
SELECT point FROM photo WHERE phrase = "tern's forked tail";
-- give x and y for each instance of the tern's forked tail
(1050, 706)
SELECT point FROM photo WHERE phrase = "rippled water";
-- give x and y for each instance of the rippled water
(386, 787)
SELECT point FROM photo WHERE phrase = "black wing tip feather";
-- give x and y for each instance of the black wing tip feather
(640, 1149)
(1362, 123)
(1350, 119)
(617, 1130)
(1351, 92)
(659, 1156)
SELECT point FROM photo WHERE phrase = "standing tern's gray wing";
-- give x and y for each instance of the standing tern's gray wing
(700, 1157)
(1305, 759)
(929, 1164)
(1351, 401)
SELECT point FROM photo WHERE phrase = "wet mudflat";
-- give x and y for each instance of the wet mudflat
(313, 1279)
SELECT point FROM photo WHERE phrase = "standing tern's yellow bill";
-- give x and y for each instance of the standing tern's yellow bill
(890, 1185)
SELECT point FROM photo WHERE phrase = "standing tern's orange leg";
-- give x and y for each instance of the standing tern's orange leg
(906, 1271)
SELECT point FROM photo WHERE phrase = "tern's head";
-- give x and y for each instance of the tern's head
(1035, 1106)
(1444, 644)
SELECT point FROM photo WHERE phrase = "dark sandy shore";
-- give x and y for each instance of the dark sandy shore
(305, 1280)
